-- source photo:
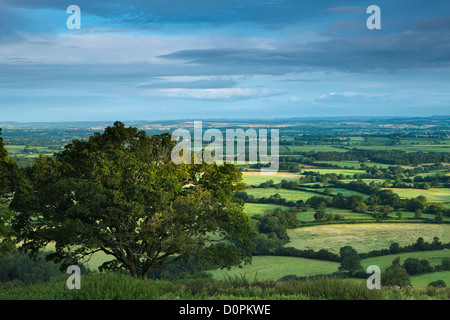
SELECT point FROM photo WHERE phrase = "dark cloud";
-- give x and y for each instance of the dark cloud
(383, 52)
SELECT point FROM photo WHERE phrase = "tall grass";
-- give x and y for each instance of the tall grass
(109, 286)
(94, 286)
(326, 288)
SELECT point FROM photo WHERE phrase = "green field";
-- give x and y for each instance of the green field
(274, 267)
(256, 177)
(435, 257)
(355, 164)
(345, 192)
(423, 280)
(345, 172)
(259, 208)
(315, 148)
(433, 195)
(407, 148)
(289, 195)
(18, 151)
(308, 216)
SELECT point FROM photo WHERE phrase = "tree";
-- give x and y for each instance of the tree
(321, 215)
(119, 193)
(418, 214)
(413, 266)
(350, 260)
(414, 204)
(395, 276)
(9, 177)
(394, 247)
(386, 211)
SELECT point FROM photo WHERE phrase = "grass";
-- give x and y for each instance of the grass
(289, 195)
(345, 172)
(407, 148)
(256, 178)
(433, 195)
(366, 236)
(115, 287)
(308, 216)
(94, 286)
(423, 280)
(435, 257)
(18, 151)
(355, 164)
(259, 208)
(111, 286)
(275, 267)
(345, 192)
(315, 148)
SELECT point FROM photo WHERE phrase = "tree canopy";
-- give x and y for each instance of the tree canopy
(119, 192)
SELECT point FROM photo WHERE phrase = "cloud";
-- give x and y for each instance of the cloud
(213, 94)
(383, 52)
(341, 97)
(197, 84)
(271, 14)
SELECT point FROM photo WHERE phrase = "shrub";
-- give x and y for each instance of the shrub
(395, 276)
(437, 284)
(20, 267)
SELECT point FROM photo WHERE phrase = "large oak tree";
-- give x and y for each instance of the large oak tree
(119, 192)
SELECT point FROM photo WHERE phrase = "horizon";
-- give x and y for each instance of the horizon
(222, 60)
(248, 120)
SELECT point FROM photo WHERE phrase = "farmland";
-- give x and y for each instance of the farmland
(344, 189)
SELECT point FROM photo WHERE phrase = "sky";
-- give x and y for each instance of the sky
(222, 59)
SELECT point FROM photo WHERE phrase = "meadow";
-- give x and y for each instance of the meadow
(252, 178)
(19, 151)
(259, 208)
(275, 267)
(433, 195)
(289, 195)
(315, 148)
(407, 148)
(434, 257)
(355, 164)
(364, 237)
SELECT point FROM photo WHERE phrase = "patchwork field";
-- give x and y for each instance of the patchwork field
(408, 148)
(316, 148)
(19, 151)
(364, 237)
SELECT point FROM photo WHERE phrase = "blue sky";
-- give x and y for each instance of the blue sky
(198, 59)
